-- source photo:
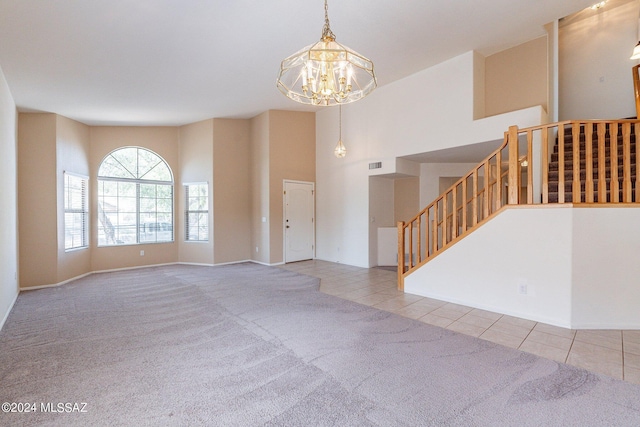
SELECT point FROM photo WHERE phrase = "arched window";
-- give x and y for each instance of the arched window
(135, 198)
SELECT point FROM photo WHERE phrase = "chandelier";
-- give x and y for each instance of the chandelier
(326, 73)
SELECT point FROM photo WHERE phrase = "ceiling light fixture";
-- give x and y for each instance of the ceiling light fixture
(340, 150)
(326, 73)
(636, 52)
(598, 5)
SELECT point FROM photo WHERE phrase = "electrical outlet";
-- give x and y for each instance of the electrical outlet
(522, 288)
(257, 249)
(141, 253)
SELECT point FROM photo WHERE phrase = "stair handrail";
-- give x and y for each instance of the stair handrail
(517, 173)
(636, 87)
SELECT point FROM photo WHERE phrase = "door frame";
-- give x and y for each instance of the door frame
(284, 216)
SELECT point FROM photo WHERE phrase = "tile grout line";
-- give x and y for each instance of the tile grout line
(566, 359)
(490, 326)
(525, 338)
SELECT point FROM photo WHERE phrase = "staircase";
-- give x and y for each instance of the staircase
(536, 166)
(614, 177)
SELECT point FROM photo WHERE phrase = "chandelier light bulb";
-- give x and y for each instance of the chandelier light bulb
(340, 151)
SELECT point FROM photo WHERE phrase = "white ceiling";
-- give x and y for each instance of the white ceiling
(171, 62)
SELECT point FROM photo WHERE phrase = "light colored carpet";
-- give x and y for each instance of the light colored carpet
(248, 345)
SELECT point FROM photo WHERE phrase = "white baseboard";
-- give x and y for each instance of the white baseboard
(6, 315)
(232, 262)
(197, 264)
(53, 285)
(130, 268)
(111, 270)
(265, 263)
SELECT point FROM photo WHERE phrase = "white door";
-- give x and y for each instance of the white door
(299, 221)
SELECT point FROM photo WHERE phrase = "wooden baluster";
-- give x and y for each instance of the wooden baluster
(429, 233)
(626, 159)
(498, 194)
(492, 183)
(436, 246)
(464, 205)
(561, 164)
(410, 246)
(474, 200)
(602, 177)
(636, 90)
(454, 219)
(588, 141)
(545, 165)
(401, 255)
(514, 170)
(485, 195)
(445, 219)
(419, 243)
(530, 160)
(577, 188)
(637, 138)
(614, 183)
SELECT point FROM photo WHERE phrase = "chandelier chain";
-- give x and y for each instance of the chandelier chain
(327, 34)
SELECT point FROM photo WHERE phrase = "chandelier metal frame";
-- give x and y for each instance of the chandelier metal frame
(326, 73)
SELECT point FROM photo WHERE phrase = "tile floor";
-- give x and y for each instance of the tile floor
(611, 352)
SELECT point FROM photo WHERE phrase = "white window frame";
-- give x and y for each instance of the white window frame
(203, 212)
(140, 226)
(81, 211)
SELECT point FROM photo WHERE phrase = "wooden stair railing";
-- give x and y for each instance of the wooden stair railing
(594, 159)
(636, 88)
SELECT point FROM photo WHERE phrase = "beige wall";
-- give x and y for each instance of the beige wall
(72, 155)
(8, 201)
(292, 144)
(196, 165)
(282, 147)
(406, 198)
(48, 146)
(260, 188)
(37, 199)
(164, 141)
(517, 78)
(231, 190)
(244, 161)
